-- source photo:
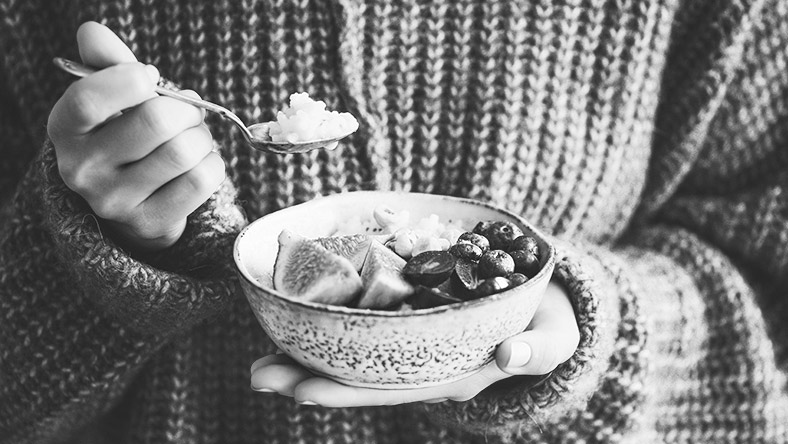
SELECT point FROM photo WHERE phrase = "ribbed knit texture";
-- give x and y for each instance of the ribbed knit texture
(650, 138)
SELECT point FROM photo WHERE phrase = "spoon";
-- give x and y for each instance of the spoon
(255, 135)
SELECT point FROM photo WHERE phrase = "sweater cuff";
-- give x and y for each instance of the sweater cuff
(162, 294)
(611, 340)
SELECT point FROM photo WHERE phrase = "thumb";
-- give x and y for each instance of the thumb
(551, 338)
(534, 352)
(99, 47)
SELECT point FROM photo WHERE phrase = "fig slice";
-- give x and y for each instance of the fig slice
(382, 279)
(354, 247)
(306, 270)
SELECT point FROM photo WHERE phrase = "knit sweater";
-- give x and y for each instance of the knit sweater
(648, 138)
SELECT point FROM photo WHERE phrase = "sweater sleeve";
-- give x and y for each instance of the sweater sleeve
(80, 315)
(682, 322)
(671, 330)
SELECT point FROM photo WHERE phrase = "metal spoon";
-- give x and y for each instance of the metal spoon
(256, 135)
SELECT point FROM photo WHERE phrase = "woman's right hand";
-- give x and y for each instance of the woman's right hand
(142, 162)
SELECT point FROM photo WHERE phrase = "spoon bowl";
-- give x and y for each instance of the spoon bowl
(255, 135)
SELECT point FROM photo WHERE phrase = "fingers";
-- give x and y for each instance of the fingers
(277, 373)
(179, 197)
(138, 132)
(328, 393)
(170, 160)
(551, 338)
(142, 162)
(99, 47)
(89, 102)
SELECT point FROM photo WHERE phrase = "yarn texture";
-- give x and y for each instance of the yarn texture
(648, 138)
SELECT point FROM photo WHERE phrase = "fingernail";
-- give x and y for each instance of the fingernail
(263, 389)
(519, 354)
(153, 73)
(256, 365)
(306, 402)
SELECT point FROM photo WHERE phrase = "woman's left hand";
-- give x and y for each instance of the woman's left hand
(550, 339)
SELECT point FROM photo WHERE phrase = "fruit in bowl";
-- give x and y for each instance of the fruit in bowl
(336, 285)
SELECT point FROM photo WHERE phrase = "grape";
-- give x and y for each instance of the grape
(429, 268)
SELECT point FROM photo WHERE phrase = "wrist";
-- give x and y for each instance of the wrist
(141, 241)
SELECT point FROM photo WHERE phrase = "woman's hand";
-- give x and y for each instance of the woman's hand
(142, 162)
(551, 338)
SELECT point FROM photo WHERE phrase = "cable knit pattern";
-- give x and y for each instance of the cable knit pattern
(646, 137)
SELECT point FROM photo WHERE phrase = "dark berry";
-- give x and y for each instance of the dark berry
(495, 263)
(517, 279)
(526, 243)
(475, 239)
(465, 273)
(525, 262)
(466, 250)
(427, 297)
(429, 268)
(481, 227)
(501, 234)
(491, 286)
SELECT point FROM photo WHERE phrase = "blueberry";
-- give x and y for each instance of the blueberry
(517, 279)
(466, 250)
(501, 234)
(525, 262)
(475, 239)
(492, 285)
(481, 227)
(495, 263)
(526, 243)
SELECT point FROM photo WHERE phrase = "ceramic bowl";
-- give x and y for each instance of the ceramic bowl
(376, 348)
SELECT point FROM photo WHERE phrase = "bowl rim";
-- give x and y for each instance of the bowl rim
(547, 268)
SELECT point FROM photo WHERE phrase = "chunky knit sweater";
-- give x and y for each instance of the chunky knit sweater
(649, 138)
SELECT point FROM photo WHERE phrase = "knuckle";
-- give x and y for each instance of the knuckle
(187, 150)
(139, 79)
(69, 176)
(108, 206)
(83, 103)
(178, 155)
(77, 177)
(207, 176)
(191, 93)
(545, 361)
(217, 172)
(155, 116)
(55, 128)
(192, 116)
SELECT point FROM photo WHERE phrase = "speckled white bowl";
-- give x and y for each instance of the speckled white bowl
(384, 349)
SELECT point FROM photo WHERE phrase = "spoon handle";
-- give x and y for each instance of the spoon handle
(81, 70)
